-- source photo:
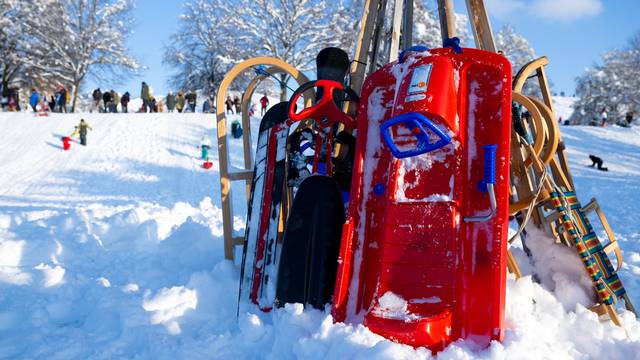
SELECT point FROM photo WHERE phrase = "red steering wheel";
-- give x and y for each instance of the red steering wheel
(325, 113)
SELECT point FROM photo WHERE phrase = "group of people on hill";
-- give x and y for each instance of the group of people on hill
(107, 102)
(182, 102)
(110, 101)
(54, 102)
(604, 120)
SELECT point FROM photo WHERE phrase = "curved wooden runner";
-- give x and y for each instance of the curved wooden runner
(245, 174)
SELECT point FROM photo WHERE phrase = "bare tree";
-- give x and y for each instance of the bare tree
(77, 38)
(199, 50)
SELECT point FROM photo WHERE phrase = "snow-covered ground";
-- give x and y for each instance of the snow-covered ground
(114, 250)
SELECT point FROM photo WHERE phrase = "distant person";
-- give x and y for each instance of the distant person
(153, 105)
(229, 104)
(115, 100)
(106, 99)
(191, 100)
(83, 128)
(212, 102)
(170, 101)
(97, 98)
(124, 102)
(145, 95)
(205, 146)
(45, 104)
(236, 104)
(4, 98)
(14, 100)
(206, 106)
(62, 101)
(236, 129)
(629, 118)
(596, 161)
(34, 99)
(180, 101)
(52, 102)
(252, 110)
(603, 117)
(264, 102)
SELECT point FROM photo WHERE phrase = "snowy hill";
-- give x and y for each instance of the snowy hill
(115, 251)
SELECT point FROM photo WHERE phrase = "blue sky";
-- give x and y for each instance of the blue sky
(572, 33)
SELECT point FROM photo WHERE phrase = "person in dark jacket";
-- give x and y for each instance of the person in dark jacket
(52, 102)
(124, 102)
(97, 97)
(62, 101)
(236, 104)
(106, 98)
(191, 100)
(229, 104)
(170, 100)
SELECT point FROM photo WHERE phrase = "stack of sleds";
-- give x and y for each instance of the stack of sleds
(427, 170)
(394, 206)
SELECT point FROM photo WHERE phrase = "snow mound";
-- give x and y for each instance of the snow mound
(115, 250)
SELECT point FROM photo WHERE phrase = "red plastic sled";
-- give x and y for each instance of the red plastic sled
(423, 252)
(207, 165)
(66, 143)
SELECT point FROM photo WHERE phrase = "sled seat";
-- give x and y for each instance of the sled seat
(416, 252)
(576, 226)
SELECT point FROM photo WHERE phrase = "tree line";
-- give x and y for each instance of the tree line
(45, 44)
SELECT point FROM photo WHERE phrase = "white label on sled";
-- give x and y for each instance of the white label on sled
(415, 97)
(419, 80)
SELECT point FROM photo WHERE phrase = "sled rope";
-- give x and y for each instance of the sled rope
(260, 70)
(544, 176)
(531, 206)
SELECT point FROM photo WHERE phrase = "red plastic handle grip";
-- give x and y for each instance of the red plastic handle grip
(325, 112)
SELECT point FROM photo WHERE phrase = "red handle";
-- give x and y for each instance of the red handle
(325, 112)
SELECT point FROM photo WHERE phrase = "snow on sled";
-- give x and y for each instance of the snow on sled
(423, 250)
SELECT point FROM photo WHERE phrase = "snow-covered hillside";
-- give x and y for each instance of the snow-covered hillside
(114, 250)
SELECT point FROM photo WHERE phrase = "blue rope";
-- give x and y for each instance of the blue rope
(261, 70)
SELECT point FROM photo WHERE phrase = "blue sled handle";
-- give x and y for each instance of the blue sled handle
(414, 121)
(416, 48)
(489, 167)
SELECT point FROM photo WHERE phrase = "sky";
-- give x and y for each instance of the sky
(571, 33)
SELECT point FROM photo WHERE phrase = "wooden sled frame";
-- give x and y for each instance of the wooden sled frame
(552, 157)
(244, 174)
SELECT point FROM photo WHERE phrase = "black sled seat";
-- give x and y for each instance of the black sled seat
(308, 260)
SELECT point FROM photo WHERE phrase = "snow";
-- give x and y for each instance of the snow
(115, 250)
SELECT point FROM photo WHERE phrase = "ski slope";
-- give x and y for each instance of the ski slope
(115, 250)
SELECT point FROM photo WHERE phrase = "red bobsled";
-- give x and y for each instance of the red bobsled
(423, 251)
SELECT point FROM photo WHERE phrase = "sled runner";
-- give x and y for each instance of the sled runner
(423, 251)
(574, 226)
(259, 263)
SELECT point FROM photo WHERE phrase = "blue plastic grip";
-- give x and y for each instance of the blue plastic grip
(414, 121)
(453, 43)
(416, 48)
(489, 167)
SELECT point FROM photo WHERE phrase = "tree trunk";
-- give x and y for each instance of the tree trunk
(76, 88)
